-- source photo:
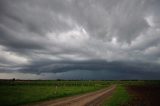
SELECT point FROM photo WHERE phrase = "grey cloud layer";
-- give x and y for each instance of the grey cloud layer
(121, 37)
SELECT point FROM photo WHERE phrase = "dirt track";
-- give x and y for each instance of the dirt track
(89, 99)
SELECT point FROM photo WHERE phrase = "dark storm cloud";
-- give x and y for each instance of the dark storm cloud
(94, 69)
(57, 67)
(120, 37)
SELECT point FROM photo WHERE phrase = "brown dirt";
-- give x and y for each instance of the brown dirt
(89, 99)
(146, 95)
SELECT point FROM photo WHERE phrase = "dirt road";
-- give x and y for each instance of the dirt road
(89, 99)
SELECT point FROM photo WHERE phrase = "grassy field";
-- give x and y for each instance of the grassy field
(22, 92)
(119, 97)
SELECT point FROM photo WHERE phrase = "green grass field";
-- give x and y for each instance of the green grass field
(22, 92)
(19, 92)
(119, 97)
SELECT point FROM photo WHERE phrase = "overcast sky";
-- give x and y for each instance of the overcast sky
(80, 39)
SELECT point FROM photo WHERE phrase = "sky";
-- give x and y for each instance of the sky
(80, 39)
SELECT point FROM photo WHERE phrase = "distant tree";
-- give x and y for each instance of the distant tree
(13, 79)
(59, 79)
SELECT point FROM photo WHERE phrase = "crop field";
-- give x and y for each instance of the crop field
(127, 93)
(22, 92)
(147, 94)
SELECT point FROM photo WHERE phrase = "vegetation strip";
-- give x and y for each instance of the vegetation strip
(119, 97)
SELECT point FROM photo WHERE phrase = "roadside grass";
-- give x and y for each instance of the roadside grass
(22, 93)
(119, 97)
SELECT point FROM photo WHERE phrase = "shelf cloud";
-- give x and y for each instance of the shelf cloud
(99, 39)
